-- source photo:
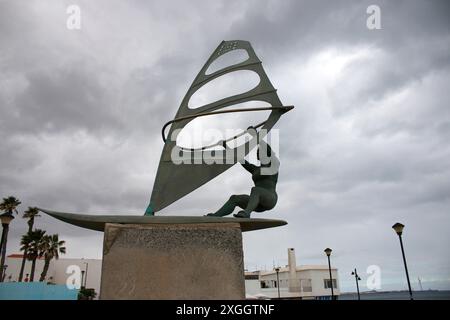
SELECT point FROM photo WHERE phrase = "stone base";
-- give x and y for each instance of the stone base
(173, 261)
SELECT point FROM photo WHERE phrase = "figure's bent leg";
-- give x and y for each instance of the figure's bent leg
(252, 204)
(235, 200)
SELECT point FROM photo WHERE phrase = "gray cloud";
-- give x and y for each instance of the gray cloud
(366, 146)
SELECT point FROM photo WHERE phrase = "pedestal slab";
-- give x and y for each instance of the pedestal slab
(173, 261)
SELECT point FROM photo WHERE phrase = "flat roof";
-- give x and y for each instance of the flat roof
(299, 268)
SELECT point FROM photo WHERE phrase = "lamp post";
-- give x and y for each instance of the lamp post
(277, 270)
(6, 219)
(4, 272)
(82, 279)
(357, 278)
(328, 253)
(85, 279)
(398, 227)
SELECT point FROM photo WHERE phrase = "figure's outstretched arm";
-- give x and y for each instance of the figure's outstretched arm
(272, 155)
(249, 167)
(270, 163)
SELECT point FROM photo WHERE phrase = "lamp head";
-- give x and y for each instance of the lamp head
(6, 218)
(328, 251)
(398, 227)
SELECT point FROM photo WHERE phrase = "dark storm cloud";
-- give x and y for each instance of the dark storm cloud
(58, 100)
(300, 28)
(367, 145)
(295, 27)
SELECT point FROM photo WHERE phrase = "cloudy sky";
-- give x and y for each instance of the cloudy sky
(366, 146)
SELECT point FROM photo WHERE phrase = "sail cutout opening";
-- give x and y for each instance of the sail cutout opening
(227, 85)
(248, 105)
(210, 131)
(228, 59)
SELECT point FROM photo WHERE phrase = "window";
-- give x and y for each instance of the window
(306, 285)
(327, 283)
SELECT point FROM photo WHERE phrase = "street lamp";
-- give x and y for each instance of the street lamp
(277, 270)
(82, 278)
(398, 227)
(328, 253)
(85, 279)
(357, 278)
(6, 219)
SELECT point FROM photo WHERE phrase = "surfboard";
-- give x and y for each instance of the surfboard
(97, 222)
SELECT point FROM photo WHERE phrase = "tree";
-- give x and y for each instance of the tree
(32, 243)
(30, 214)
(8, 206)
(50, 248)
(86, 294)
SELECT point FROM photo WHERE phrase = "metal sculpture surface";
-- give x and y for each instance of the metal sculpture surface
(174, 181)
(263, 195)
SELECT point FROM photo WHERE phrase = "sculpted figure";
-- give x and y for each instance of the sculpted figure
(263, 195)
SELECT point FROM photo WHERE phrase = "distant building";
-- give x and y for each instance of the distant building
(302, 282)
(59, 272)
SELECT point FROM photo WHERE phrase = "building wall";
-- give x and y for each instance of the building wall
(317, 281)
(252, 287)
(59, 271)
(93, 267)
(13, 269)
(313, 278)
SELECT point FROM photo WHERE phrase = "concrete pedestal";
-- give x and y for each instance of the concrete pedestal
(173, 261)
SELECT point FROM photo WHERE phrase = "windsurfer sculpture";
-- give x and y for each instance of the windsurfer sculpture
(263, 195)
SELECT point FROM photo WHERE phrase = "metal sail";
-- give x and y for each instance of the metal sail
(174, 181)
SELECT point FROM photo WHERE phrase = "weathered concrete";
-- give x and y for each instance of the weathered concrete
(173, 261)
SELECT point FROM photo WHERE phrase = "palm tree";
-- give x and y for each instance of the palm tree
(30, 214)
(50, 248)
(8, 206)
(32, 243)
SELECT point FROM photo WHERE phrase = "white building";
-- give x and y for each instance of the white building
(302, 282)
(60, 271)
